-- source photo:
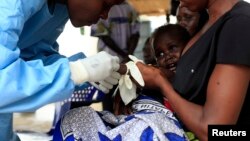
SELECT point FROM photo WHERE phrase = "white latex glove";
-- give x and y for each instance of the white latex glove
(107, 84)
(126, 86)
(94, 68)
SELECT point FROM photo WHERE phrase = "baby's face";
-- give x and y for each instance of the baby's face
(168, 51)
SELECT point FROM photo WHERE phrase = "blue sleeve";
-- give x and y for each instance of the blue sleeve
(27, 85)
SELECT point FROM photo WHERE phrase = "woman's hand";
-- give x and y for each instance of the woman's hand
(152, 76)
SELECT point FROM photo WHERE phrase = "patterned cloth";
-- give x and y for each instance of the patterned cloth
(151, 121)
(86, 93)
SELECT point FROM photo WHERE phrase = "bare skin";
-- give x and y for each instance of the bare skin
(215, 111)
(226, 81)
(216, 8)
(188, 19)
(168, 51)
(87, 12)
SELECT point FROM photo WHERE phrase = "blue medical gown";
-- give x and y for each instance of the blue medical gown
(32, 73)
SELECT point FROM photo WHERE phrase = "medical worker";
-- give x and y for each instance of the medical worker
(32, 72)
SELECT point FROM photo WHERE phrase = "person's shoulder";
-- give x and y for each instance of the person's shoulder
(23, 3)
(241, 9)
(239, 15)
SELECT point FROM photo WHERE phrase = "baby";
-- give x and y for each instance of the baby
(168, 43)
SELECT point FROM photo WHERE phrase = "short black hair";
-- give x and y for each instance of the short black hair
(172, 30)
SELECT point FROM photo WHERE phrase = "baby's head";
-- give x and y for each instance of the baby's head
(168, 43)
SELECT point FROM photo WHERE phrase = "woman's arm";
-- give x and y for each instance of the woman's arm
(225, 95)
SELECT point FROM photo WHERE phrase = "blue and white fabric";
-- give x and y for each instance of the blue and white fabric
(151, 121)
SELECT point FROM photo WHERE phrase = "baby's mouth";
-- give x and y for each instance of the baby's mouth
(171, 63)
(169, 66)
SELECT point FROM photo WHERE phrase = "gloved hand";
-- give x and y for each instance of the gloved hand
(93, 69)
(107, 84)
